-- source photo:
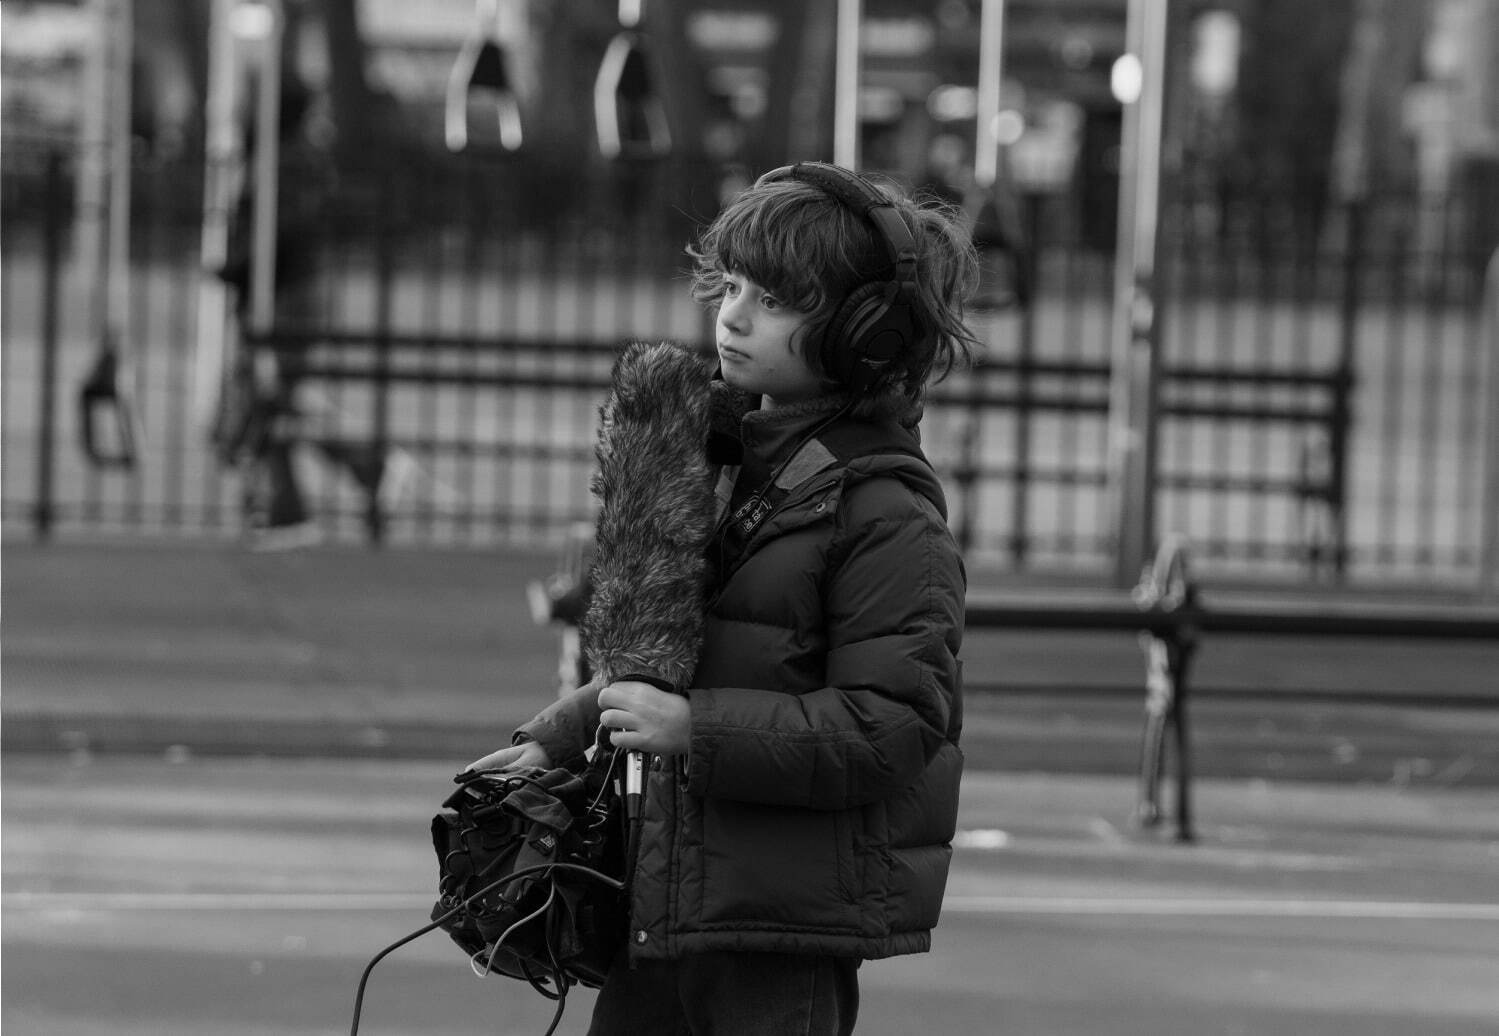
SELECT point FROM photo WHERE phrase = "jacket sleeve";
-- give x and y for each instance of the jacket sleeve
(565, 728)
(893, 612)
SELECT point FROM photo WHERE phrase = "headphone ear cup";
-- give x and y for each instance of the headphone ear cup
(841, 354)
(865, 334)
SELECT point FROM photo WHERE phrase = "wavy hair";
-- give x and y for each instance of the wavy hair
(812, 251)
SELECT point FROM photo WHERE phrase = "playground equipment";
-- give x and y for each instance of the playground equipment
(481, 84)
(629, 115)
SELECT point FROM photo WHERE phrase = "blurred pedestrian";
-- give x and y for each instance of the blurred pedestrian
(259, 396)
(802, 793)
(264, 417)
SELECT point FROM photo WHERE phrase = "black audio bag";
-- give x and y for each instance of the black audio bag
(531, 873)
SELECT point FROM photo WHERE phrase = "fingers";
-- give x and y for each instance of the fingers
(629, 740)
(645, 718)
(617, 696)
(630, 696)
(498, 760)
(617, 711)
(623, 711)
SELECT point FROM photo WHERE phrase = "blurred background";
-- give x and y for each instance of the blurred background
(469, 205)
(307, 307)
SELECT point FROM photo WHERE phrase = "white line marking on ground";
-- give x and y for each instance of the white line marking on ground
(1105, 832)
(981, 838)
(1332, 909)
(1161, 907)
(111, 901)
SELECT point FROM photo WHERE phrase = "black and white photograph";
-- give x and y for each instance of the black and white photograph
(749, 517)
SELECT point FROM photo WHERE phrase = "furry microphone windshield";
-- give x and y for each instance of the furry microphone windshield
(656, 513)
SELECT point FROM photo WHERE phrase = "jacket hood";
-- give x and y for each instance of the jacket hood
(915, 473)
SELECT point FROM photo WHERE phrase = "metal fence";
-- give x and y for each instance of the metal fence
(1322, 400)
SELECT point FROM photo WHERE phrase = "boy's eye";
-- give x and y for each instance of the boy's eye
(769, 301)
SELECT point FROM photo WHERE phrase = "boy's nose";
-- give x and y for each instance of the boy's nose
(731, 315)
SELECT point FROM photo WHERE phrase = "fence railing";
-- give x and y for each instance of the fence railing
(1318, 421)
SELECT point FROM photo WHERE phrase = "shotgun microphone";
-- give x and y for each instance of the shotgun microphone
(657, 511)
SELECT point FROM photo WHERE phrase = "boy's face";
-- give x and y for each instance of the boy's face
(754, 331)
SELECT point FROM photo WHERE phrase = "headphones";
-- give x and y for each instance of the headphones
(877, 320)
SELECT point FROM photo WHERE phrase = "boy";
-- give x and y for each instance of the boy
(802, 793)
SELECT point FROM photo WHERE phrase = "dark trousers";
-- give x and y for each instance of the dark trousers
(730, 994)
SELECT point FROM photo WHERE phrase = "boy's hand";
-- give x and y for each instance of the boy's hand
(516, 757)
(645, 718)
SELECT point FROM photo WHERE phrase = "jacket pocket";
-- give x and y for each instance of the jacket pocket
(778, 865)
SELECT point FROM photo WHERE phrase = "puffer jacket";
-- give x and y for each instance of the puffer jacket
(815, 810)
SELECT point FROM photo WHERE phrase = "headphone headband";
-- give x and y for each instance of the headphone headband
(877, 321)
(862, 197)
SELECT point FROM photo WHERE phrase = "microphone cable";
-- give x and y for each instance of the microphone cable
(559, 980)
(572, 868)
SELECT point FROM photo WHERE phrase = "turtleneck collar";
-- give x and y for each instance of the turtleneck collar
(771, 435)
(738, 423)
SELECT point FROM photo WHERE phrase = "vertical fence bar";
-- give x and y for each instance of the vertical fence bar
(431, 395)
(1025, 413)
(42, 511)
(374, 517)
(464, 420)
(176, 416)
(1391, 474)
(1343, 387)
(1266, 299)
(1488, 567)
(969, 456)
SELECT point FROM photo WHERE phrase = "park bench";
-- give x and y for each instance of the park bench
(1315, 402)
(1169, 612)
(381, 361)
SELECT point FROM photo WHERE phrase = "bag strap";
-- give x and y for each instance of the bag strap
(832, 449)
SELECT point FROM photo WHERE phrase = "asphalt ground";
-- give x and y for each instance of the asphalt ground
(242, 897)
(211, 649)
(218, 769)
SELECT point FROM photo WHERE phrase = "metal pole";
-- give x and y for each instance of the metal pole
(991, 75)
(1343, 390)
(121, 43)
(222, 173)
(41, 508)
(1133, 384)
(1488, 569)
(392, 195)
(267, 175)
(93, 169)
(846, 85)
